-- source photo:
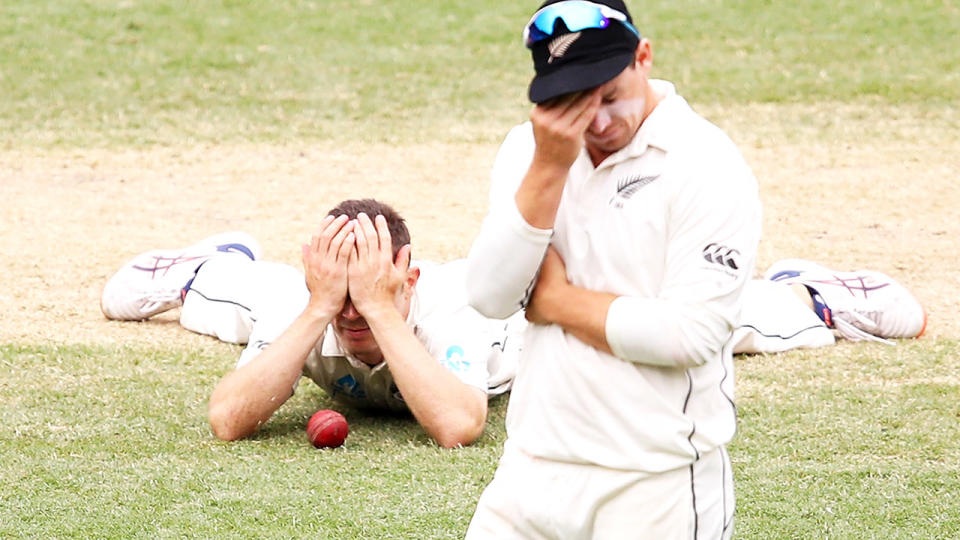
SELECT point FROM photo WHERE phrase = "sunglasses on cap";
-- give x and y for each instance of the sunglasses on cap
(576, 15)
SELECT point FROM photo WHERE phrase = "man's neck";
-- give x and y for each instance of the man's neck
(597, 156)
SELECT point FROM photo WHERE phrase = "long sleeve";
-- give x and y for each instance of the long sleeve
(507, 253)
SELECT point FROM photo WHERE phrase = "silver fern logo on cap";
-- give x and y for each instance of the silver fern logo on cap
(558, 47)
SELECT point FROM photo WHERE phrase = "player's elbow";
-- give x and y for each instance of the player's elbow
(459, 436)
(488, 293)
(461, 428)
(489, 305)
(224, 423)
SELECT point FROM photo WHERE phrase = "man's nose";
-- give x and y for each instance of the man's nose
(600, 121)
(349, 312)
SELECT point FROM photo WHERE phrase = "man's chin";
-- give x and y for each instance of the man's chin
(605, 143)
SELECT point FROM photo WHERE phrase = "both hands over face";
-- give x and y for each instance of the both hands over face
(352, 261)
(352, 276)
(378, 289)
(335, 273)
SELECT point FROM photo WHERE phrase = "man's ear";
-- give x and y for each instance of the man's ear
(413, 275)
(643, 55)
(402, 260)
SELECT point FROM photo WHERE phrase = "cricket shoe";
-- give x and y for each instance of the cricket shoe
(860, 305)
(155, 281)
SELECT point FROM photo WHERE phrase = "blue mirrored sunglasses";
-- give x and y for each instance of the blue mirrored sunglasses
(576, 15)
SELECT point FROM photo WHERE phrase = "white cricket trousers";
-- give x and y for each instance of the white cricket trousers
(236, 300)
(533, 498)
(773, 319)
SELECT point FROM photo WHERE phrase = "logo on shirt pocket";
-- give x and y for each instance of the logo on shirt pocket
(454, 359)
(349, 386)
(628, 187)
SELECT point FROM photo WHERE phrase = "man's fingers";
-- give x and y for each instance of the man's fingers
(315, 239)
(328, 230)
(347, 248)
(586, 111)
(383, 236)
(360, 239)
(559, 128)
(403, 258)
(563, 102)
(570, 105)
(337, 243)
(370, 233)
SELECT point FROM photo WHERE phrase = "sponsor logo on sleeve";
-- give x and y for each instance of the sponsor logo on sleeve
(722, 255)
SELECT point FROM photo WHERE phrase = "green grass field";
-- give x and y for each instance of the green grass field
(111, 441)
(127, 73)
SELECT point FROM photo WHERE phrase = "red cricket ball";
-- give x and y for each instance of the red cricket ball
(327, 429)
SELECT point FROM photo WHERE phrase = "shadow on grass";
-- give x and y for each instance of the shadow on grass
(369, 427)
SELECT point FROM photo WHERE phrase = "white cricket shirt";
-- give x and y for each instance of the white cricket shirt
(670, 224)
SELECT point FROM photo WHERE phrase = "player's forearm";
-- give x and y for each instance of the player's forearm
(665, 333)
(641, 330)
(248, 396)
(581, 312)
(538, 196)
(450, 411)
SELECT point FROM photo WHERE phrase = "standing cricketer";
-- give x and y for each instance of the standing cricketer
(627, 225)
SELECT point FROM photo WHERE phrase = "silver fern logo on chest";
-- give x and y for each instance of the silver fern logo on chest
(628, 187)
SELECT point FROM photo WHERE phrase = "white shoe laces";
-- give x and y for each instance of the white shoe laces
(157, 299)
(852, 332)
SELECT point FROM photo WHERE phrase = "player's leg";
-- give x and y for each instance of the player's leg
(153, 282)
(233, 299)
(860, 305)
(775, 318)
(530, 498)
(536, 498)
(689, 503)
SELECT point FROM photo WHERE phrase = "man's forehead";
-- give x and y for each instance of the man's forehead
(605, 88)
(609, 86)
(615, 82)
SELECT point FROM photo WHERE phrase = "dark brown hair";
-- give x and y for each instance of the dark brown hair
(399, 235)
